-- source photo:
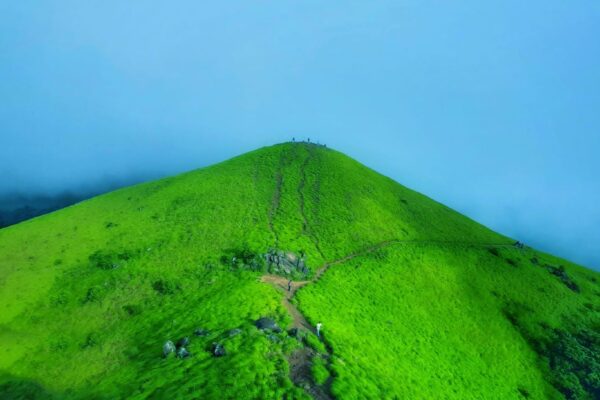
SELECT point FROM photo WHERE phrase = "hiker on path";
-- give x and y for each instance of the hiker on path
(290, 286)
(319, 325)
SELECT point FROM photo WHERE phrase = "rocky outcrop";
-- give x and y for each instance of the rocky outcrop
(286, 262)
(265, 323)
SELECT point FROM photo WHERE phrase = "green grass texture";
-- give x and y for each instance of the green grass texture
(433, 306)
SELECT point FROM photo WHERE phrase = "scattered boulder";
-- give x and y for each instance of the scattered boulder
(184, 341)
(265, 323)
(201, 332)
(273, 337)
(168, 348)
(218, 350)
(182, 352)
(234, 332)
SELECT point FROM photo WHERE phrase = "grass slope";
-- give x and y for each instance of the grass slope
(89, 294)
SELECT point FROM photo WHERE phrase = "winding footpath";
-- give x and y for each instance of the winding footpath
(300, 361)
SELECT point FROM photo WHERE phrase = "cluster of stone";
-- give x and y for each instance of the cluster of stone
(179, 349)
(285, 262)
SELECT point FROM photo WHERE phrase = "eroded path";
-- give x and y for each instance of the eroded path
(301, 360)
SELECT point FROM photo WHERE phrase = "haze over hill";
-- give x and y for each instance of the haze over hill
(17, 206)
(500, 97)
(210, 284)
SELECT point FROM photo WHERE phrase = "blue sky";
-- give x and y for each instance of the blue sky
(490, 107)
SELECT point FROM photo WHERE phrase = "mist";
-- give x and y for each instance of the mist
(490, 109)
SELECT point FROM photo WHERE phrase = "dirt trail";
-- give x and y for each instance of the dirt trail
(298, 320)
(301, 360)
(281, 283)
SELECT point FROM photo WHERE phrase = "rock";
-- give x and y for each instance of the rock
(285, 262)
(234, 332)
(273, 337)
(182, 352)
(267, 323)
(185, 341)
(218, 350)
(291, 257)
(201, 332)
(168, 348)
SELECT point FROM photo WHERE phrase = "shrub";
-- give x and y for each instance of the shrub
(165, 287)
(106, 260)
(575, 361)
(132, 309)
(243, 258)
(91, 295)
(511, 262)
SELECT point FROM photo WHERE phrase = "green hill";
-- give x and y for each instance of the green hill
(416, 300)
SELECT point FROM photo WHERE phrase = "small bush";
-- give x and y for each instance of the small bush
(562, 275)
(165, 287)
(103, 260)
(90, 341)
(575, 361)
(110, 260)
(243, 258)
(511, 262)
(132, 309)
(91, 295)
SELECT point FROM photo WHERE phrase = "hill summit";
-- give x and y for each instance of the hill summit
(212, 285)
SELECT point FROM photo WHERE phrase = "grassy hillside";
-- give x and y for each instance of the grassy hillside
(423, 303)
